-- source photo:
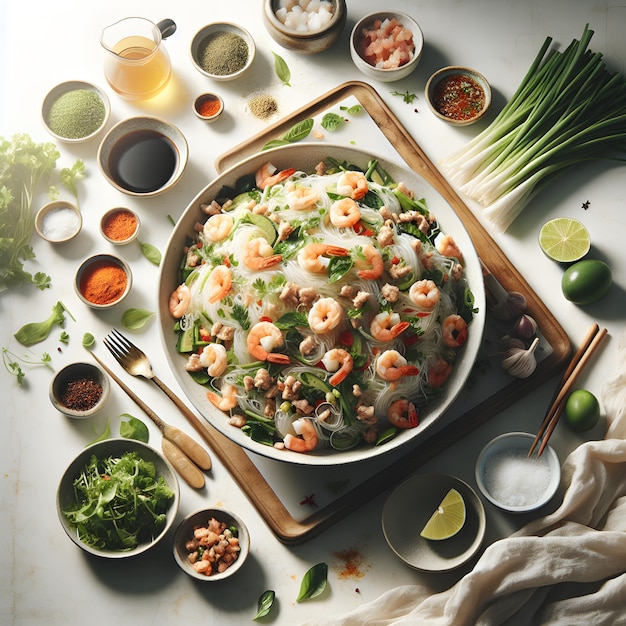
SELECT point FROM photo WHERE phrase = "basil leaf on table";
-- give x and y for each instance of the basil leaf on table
(133, 428)
(332, 121)
(266, 601)
(134, 319)
(151, 252)
(314, 582)
(282, 69)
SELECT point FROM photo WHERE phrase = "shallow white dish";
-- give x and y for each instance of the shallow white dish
(409, 507)
(523, 475)
(305, 156)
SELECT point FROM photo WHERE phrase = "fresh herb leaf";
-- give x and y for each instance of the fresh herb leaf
(106, 433)
(338, 267)
(12, 363)
(150, 252)
(266, 601)
(275, 143)
(331, 121)
(34, 332)
(314, 582)
(69, 176)
(133, 428)
(299, 131)
(88, 341)
(133, 319)
(64, 337)
(406, 96)
(292, 319)
(355, 109)
(282, 69)
(240, 314)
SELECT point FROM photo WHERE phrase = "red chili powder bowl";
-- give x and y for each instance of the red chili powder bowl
(208, 106)
(119, 226)
(103, 281)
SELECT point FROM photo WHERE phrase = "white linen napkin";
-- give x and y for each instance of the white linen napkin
(566, 568)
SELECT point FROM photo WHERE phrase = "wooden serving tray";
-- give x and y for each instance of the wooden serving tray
(236, 460)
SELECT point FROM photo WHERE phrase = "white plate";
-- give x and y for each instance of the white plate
(305, 156)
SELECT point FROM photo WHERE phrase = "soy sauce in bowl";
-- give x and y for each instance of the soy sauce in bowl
(143, 161)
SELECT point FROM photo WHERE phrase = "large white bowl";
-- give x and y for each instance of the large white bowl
(305, 156)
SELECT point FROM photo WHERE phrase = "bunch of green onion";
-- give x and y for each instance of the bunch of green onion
(568, 109)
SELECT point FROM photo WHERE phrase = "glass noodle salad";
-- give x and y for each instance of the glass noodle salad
(321, 309)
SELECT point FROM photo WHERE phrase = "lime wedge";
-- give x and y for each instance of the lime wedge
(447, 519)
(564, 239)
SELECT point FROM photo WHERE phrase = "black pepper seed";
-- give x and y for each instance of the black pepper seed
(81, 394)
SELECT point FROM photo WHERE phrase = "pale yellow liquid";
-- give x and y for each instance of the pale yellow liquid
(138, 71)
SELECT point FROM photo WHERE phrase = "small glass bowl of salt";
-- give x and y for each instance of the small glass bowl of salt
(58, 221)
(512, 480)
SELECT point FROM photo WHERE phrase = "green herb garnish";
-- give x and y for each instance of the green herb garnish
(134, 319)
(133, 428)
(407, 96)
(34, 332)
(282, 69)
(332, 121)
(150, 252)
(314, 582)
(12, 363)
(266, 601)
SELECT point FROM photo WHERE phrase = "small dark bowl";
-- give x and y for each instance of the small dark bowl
(78, 371)
(184, 533)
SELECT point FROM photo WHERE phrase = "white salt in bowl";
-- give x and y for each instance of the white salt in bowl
(512, 481)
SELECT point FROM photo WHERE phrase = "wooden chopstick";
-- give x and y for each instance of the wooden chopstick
(578, 362)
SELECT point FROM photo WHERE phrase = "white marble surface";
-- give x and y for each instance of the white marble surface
(44, 579)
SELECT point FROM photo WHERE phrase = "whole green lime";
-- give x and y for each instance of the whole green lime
(582, 410)
(586, 281)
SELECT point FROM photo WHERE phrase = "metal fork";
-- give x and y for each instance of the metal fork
(137, 363)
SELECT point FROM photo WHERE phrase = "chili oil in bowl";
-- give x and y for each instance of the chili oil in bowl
(458, 95)
(192, 542)
(75, 111)
(119, 226)
(84, 473)
(143, 156)
(513, 481)
(382, 62)
(301, 30)
(103, 280)
(223, 51)
(59, 221)
(208, 106)
(79, 390)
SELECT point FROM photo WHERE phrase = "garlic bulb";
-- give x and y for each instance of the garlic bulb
(519, 362)
(525, 327)
(504, 305)
(507, 342)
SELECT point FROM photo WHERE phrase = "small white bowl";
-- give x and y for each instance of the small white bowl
(59, 221)
(62, 90)
(205, 98)
(391, 74)
(522, 484)
(304, 42)
(184, 533)
(116, 448)
(455, 70)
(92, 264)
(211, 30)
(110, 214)
(78, 372)
(125, 151)
(410, 506)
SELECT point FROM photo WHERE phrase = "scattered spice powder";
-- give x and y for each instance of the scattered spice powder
(352, 561)
(103, 282)
(81, 394)
(120, 225)
(263, 106)
(223, 53)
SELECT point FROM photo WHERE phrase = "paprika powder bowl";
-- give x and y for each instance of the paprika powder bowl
(119, 226)
(103, 280)
(208, 106)
(79, 390)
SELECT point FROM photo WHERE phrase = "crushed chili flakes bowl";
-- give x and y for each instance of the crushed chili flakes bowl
(103, 280)
(79, 390)
(119, 226)
(458, 95)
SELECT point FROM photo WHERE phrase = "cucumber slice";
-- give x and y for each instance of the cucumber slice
(186, 341)
(265, 224)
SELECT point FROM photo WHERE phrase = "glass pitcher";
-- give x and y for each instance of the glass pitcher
(137, 65)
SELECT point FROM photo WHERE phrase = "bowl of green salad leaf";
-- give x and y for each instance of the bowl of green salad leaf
(117, 498)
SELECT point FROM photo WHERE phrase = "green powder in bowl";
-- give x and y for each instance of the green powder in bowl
(75, 111)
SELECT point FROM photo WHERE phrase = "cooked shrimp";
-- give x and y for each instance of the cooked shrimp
(262, 339)
(325, 315)
(369, 263)
(179, 301)
(219, 283)
(352, 184)
(344, 213)
(266, 175)
(454, 331)
(214, 358)
(310, 257)
(391, 366)
(387, 326)
(225, 402)
(218, 227)
(438, 372)
(448, 247)
(339, 361)
(424, 294)
(259, 254)
(302, 198)
(403, 414)
(307, 439)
